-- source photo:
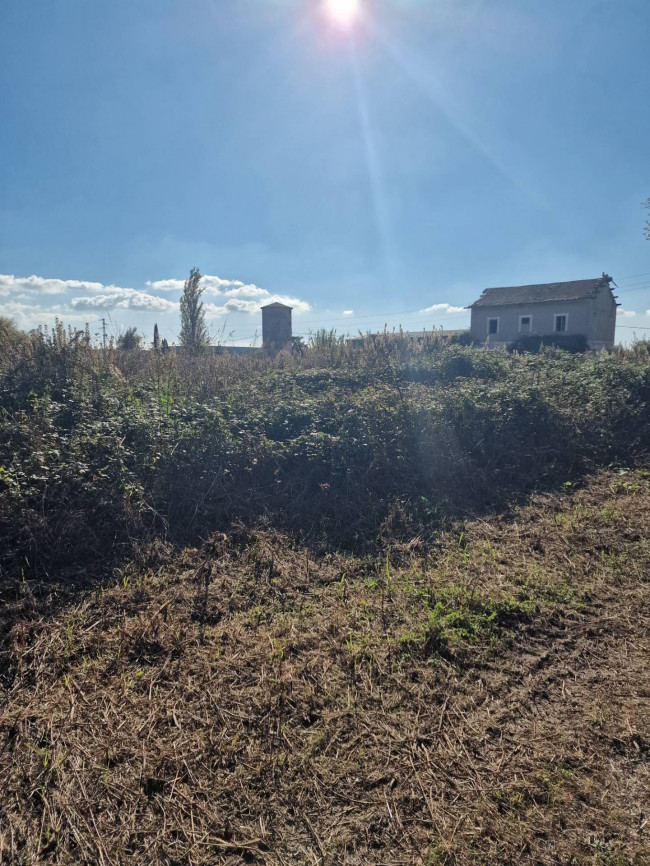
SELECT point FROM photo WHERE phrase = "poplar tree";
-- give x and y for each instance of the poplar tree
(194, 334)
(156, 338)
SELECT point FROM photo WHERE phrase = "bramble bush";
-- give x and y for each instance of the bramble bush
(101, 451)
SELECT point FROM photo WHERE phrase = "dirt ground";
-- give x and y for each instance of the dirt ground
(481, 698)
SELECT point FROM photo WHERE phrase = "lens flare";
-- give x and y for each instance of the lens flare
(343, 11)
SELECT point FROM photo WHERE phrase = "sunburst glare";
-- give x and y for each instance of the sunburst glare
(344, 12)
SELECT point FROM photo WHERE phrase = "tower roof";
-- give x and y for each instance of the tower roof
(276, 305)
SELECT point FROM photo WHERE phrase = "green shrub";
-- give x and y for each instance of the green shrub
(573, 343)
(103, 450)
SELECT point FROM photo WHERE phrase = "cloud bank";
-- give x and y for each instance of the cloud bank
(42, 285)
(210, 285)
(241, 297)
(123, 299)
(38, 300)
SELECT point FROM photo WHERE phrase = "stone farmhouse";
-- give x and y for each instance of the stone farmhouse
(575, 308)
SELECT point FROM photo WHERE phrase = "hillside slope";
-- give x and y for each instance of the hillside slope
(482, 701)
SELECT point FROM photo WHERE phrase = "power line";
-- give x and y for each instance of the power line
(641, 288)
(634, 276)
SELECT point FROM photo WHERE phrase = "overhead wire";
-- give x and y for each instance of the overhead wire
(640, 288)
(634, 327)
(634, 276)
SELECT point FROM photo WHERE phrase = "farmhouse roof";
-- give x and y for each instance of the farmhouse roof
(573, 290)
(277, 304)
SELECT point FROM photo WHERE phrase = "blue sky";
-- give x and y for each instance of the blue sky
(366, 173)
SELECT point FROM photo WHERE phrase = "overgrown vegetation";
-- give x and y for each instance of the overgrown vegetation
(383, 646)
(573, 343)
(99, 450)
(129, 340)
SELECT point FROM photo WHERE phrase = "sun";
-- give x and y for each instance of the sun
(343, 11)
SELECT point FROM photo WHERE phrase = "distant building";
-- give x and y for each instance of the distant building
(276, 327)
(578, 307)
(276, 333)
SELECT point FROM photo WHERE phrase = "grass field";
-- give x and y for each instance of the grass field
(382, 659)
(482, 701)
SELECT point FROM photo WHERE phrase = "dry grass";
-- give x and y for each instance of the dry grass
(483, 701)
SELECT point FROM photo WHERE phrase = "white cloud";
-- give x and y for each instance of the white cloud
(9, 283)
(166, 285)
(75, 298)
(298, 305)
(210, 284)
(348, 312)
(627, 313)
(123, 299)
(213, 311)
(28, 316)
(241, 305)
(249, 291)
(215, 285)
(251, 306)
(13, 308)
(443, 308)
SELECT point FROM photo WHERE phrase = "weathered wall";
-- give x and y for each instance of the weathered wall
(579, 319)
(276, 327)
(603, 320)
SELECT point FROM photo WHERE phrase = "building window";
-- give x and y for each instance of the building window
(561, 321)
(493, 326)
(525, 324)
